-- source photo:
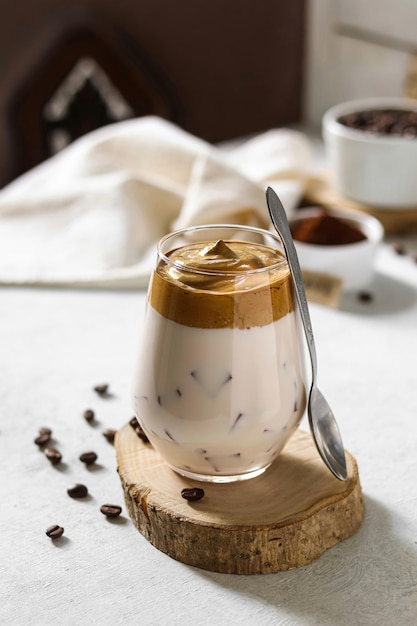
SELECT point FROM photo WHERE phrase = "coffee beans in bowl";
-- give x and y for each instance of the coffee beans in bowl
(371, 151)
(398, 122)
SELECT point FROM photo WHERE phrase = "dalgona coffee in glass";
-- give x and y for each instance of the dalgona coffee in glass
(220, 382)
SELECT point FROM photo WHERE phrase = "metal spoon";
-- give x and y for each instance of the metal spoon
(323, 424)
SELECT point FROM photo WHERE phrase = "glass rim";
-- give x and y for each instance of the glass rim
(213, 272)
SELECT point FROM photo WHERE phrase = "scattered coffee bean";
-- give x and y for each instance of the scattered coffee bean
(111, 510)
(138, 430)
(77, 491)
(88, 457)
(192, 493)
(365, 296)
(398, 248)
(54, 531)
(88, 415)
(109, 434)
(45, 431)
(102, 390)
(54, 456)
(42, 439)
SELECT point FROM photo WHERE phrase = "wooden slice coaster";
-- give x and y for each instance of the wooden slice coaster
(395, 221)
(283, 519)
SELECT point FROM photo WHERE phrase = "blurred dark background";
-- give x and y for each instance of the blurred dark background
(220, 69)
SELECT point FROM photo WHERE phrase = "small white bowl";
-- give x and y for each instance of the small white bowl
(353, 263)
(373, 169)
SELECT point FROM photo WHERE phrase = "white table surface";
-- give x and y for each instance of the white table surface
(56, 345)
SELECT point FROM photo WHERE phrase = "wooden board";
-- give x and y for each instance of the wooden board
(395, 221)
(283, 519)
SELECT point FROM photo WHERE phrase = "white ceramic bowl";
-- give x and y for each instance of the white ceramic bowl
(375, 170)
(353, 263)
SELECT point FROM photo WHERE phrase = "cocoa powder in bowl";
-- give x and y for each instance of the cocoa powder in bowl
(324, 229)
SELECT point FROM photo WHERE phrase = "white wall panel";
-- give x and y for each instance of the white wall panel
(357, 49)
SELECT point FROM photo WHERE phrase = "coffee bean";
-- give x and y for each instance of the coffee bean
(134, 423)
(111, 510)
(77, 491)
(365, 296)
(102, 390)
(88, 415)
(88, 457)
(138, 430)
(192, 493)
(54, 531)
(54, 456)
(109, 434)
(399, 249)
(45, 431)
(42, 439)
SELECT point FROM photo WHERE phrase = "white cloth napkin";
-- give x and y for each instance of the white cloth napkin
(91, 215)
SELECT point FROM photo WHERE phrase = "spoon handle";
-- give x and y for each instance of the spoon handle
(280, 221)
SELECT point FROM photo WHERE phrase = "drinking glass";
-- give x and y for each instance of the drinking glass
(220, 380)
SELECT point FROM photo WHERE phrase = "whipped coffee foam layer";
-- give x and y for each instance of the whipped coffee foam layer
(222, 285)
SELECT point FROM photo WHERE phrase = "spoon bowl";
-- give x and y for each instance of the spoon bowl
(326, 433)
(322, 422)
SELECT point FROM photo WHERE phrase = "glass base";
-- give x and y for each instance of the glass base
(220, 478)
